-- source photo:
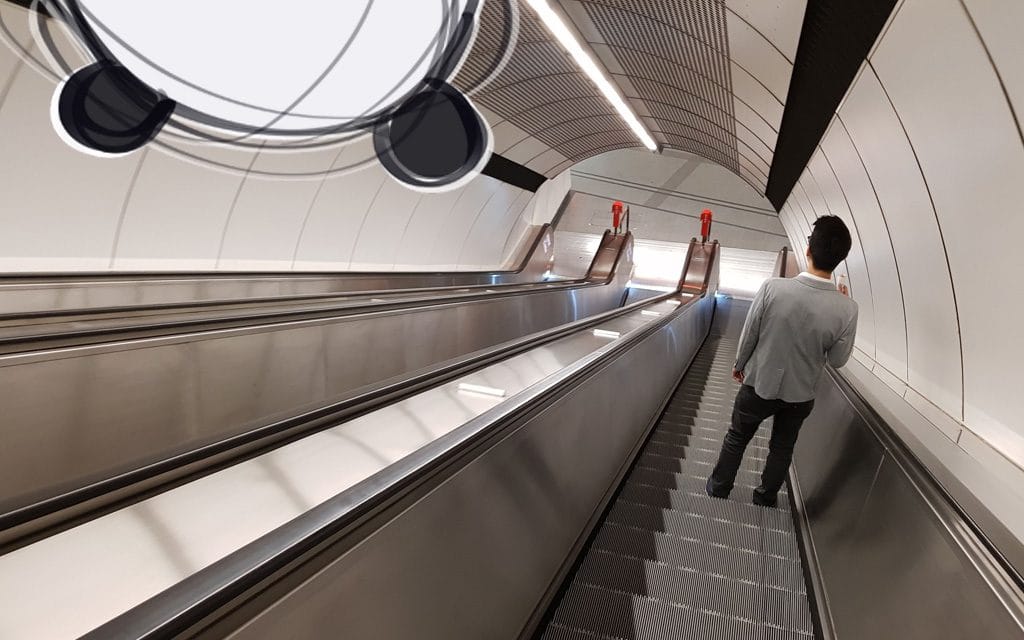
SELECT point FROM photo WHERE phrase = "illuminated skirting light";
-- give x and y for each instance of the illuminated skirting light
(647, 312)
(674, 303)
(493, 392)
(377, 300)
(585, 62)
(602, 333)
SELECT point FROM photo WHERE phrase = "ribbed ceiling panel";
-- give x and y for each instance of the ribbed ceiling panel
(540, 90)
(675, 55)
(673, 60)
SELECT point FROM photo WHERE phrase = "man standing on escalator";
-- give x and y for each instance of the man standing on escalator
(794, 327)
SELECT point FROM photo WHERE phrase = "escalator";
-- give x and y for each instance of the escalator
(122, 564)
(554, 492)
(668, 561)
(91, 416)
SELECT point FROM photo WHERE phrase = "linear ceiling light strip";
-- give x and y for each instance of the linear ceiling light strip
(584, 61)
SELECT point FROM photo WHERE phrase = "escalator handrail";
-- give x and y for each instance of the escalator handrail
(309, 297)
(100, 276)
(201, 595)
(254, 320)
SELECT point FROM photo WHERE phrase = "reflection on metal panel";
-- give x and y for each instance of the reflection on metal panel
(88, 414)
(658, 264)
(888, 544)
(519, 507)
(169, 537)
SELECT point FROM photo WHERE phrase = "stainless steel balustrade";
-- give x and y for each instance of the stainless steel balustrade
(891, 554)
(78, 419)
(47, 294)
(63, 330)
(192, 525)
(510, 482)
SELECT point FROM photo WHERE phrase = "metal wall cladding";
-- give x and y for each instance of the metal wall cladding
(474, 557)
(889, 566)
(670, 58)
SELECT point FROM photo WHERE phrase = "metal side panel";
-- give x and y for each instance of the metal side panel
(893, 563)
(473, 557)
(81, 415)
(32, 294)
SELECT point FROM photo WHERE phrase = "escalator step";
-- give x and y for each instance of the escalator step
(701, 556)
(729, 597)
(611, 614)
(670, 562)
(679, 500)
(731, 532)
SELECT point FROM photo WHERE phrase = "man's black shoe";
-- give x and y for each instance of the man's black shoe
(762, 501)
(711, 492)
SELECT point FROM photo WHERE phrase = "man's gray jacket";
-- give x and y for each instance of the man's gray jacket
(794, 326)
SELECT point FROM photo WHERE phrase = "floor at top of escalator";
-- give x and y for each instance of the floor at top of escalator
(668, 561)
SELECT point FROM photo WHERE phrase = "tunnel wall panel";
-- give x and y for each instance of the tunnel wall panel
(925, 158)
(976, 190)
(890, 323)
(933, 346)
(834, 202)
(177, 228)
(159, 210)
(778, 22)
(46, 224)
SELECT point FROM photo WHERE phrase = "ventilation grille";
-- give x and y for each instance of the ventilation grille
(669, 57)
(674, 55)
(540, 90)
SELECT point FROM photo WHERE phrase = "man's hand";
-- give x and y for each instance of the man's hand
(738, 376)
(845, 290)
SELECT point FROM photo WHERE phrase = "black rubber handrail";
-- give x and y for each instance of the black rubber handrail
(227, 302)
(200, 596)
(124, 310)
(58, 277)
(147, 327)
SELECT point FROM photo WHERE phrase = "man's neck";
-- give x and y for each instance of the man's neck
(827, 275)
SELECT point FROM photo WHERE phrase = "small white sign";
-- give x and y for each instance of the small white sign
(466, 387)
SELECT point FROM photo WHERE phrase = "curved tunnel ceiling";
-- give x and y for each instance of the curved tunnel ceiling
(709, 77)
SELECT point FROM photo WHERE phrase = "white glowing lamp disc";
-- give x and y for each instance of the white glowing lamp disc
(321, 63)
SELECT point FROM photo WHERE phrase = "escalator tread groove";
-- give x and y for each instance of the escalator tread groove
(667, 561)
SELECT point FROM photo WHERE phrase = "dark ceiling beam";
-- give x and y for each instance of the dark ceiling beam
(836, 38)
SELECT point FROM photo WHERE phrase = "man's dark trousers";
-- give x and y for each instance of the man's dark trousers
(749, 411)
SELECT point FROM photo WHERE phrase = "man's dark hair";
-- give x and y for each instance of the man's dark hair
(830, 242)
